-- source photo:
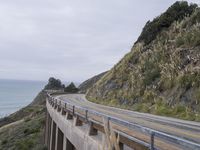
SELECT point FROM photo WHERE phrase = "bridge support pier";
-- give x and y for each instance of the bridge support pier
(59, 139)
(49, 132)
(53, 135)
(69, 145)
(121, 146)
(64, 143)
(47, 129)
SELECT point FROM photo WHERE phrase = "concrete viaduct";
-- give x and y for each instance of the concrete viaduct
(70, 127)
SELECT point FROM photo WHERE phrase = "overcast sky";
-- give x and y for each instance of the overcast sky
(69, 39)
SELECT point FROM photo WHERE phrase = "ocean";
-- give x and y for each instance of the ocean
(15, 94)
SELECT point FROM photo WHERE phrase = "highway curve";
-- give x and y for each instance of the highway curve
(188, 130)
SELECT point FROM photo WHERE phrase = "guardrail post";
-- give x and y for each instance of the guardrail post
(52, 103)
(106, 124)
(55, 102)
(152, 141)
(63, 112)
(86, 115)
(59, 106)
(73, 110)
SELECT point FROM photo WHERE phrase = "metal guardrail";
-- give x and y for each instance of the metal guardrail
(189, 145)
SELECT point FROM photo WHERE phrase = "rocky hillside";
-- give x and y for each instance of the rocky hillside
(161, 73)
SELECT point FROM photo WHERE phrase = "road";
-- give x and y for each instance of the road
(188, 130)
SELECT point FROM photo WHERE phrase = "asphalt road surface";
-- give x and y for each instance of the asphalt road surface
(188, 130)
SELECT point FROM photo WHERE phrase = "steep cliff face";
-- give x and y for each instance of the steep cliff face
(161, 74)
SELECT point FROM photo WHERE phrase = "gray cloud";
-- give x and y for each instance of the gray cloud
(69, 39)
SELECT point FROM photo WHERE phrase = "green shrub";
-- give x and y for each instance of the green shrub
(185, 81)
(114, 102)
(42, 121)
(190, 80)
(45, 148)
(189, 39)
(54, 84)
(27, 119)
(192, 38)
(168, 83)
(142, 107)
(151, 72)
(148, 97)
(197, 117)
(26, 144)
(190, 116)
(180, 109)
(180, 41)
(195, 18)
(30, 109)
(32, 130)
(174, 13)
(163, 109)
(5, 141)
(196, 39)
(197, 97)
(71, 88)
(151, 76)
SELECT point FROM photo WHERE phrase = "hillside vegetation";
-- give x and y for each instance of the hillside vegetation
(86, 85)
(161, 73)
(24, 129)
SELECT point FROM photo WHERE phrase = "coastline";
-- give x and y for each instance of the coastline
(16, 94)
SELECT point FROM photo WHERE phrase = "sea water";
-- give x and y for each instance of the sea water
(15, 94)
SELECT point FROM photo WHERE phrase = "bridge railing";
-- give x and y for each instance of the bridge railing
(91, 116)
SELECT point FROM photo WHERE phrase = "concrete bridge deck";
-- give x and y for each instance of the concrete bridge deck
(130, 130)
